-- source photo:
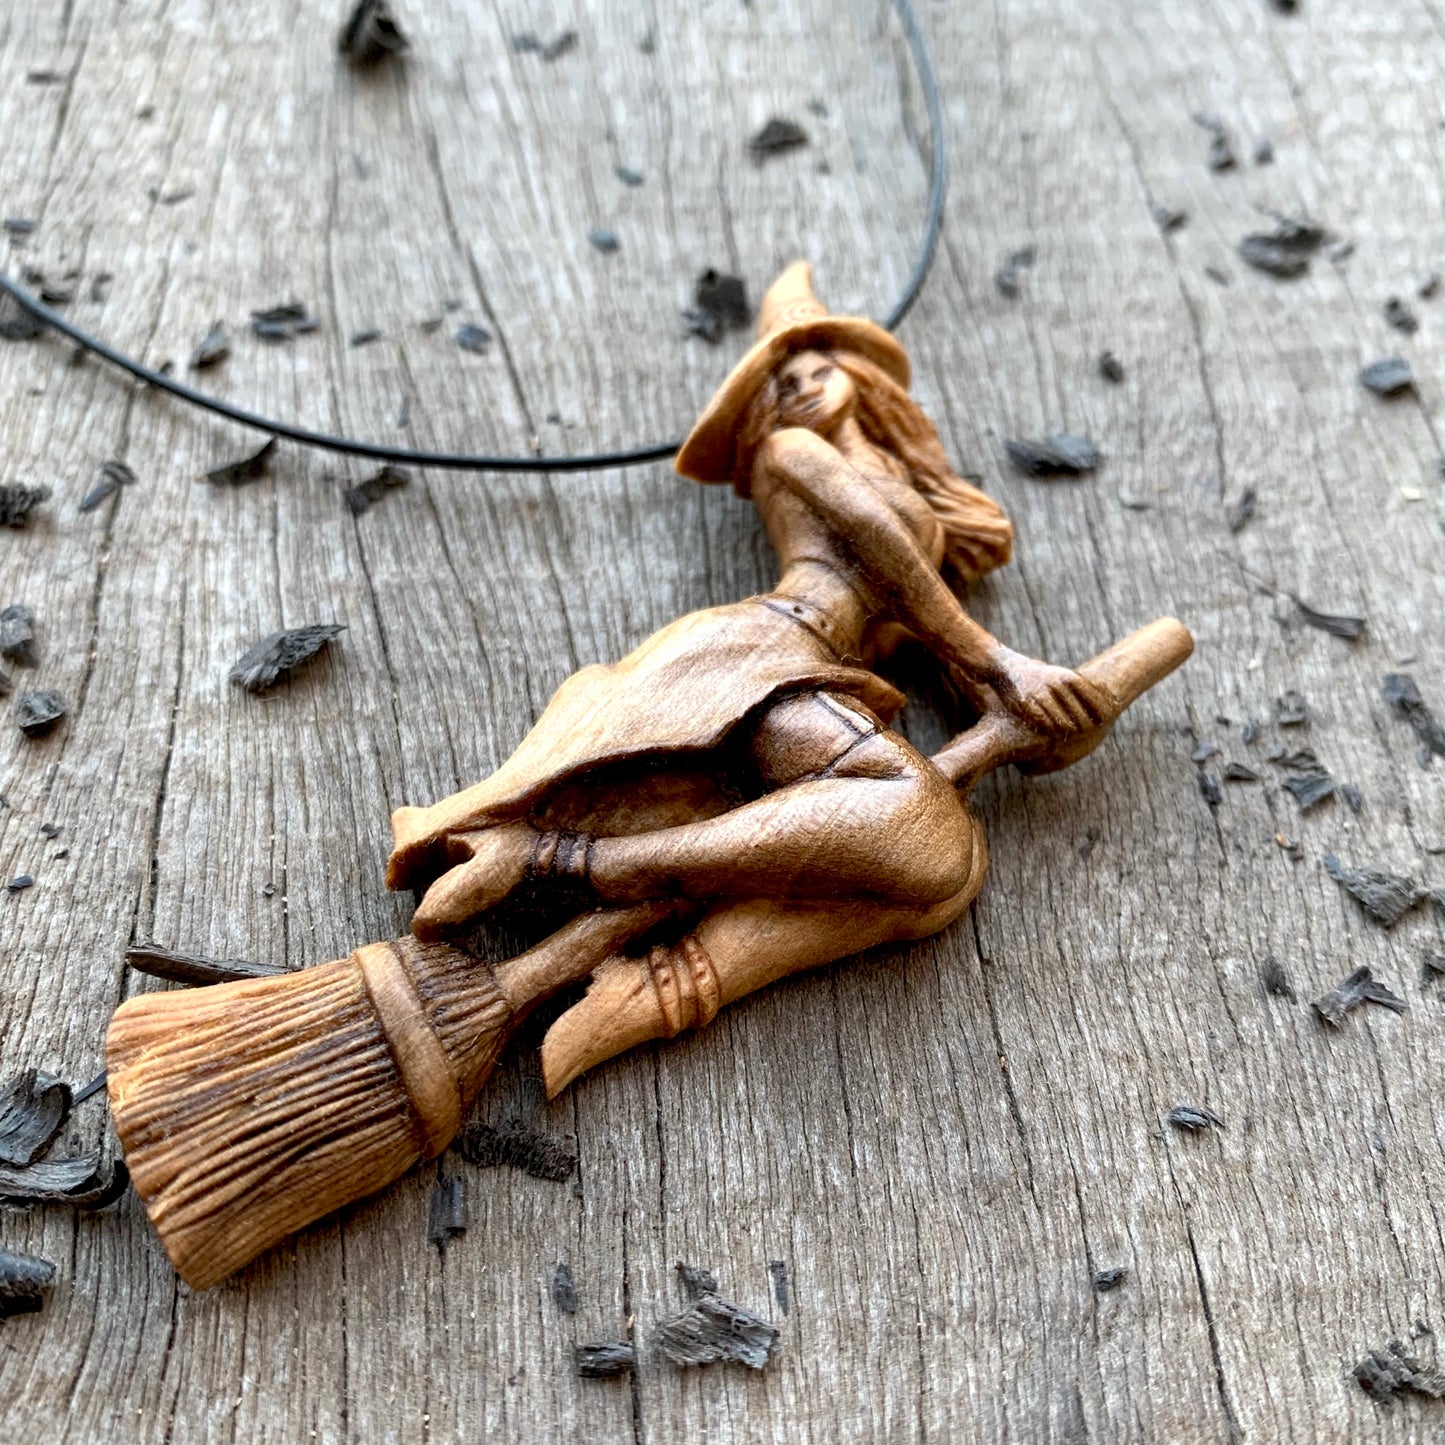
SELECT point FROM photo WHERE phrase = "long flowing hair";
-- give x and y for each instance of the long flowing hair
(978, 535)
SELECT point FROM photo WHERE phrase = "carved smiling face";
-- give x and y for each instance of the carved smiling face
(813, 391)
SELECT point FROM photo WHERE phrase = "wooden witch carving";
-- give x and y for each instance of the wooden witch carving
(724, 806)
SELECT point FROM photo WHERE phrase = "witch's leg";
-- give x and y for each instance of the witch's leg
(853, 811)
(737, 948)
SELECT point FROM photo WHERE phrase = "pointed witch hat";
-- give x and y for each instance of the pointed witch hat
(790, 319)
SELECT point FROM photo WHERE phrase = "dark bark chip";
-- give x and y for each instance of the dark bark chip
(1064, 454)
(276, 656)
(1360, 987)
(1386, 897)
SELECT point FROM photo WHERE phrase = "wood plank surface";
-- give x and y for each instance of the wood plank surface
(936, 1147)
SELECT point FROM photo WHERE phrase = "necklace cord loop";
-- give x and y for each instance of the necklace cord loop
(464, 462)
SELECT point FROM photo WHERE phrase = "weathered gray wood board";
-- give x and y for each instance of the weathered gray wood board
(941, 1144)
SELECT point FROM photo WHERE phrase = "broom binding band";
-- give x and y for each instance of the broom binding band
(426, 1072)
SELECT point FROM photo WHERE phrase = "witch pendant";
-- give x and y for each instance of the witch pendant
(724, 806)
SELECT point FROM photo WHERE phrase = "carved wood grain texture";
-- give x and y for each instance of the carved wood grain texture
(942, 1143)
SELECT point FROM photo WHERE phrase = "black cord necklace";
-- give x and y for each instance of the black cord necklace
(461, 461)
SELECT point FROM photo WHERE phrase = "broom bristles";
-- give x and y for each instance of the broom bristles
(249, 1110)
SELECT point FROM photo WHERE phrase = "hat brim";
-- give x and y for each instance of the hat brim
(707, 454)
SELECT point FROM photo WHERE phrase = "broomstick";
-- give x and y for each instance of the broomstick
(249, 1110)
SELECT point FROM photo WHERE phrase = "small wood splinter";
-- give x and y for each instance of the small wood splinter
(732, 788)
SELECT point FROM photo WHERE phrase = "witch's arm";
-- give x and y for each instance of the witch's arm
(902, 577)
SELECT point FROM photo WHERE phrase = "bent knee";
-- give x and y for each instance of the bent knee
(929, 838)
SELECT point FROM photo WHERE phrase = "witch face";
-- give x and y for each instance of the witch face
(814, 392)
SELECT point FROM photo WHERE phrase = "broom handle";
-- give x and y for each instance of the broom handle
(569, 955)
(1126, 670)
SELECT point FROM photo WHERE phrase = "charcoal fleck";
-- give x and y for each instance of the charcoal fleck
(1242, 511)
(603, 240)
(720, 303)
(283, 323)
(528, 43)
(187, 968)
(1360, 987)
(713, 1329)
(1220, 155)
(1291, 710)
(1301, 760)
(1400, 691)
(1285, 252)
(1105, 1280)
(17, 323)
(1272, 976)
(364, 337)
(605, 1359)
(248, 469)
(630, 177)
(1428, 285)
(1194, 1117)
(1110, 367)
(1386, 897)
(37, 712)
(471, 337)
(446, 1213)
(1386, 1374)
(273, 657)
(778, 1273)
(17, 635)
(564, 1290)
(17, 502)
(695, 1280)
(19, 883)
(1009, 277)
(84, 1181)
(1399, 315)
(1064, 454)
(1264, 151)
(113, 476)
(1169, 218)
(1389, 376)
(1240, 773)
(776, 137)
(543, 1156)
(388, 478)
(370, 34)
(58, 293)
(213, 349)
(1337, 624)
(25, 1280)
(33, 1110)
(1310, 788)
(1210, 790)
